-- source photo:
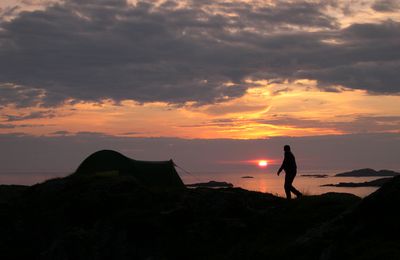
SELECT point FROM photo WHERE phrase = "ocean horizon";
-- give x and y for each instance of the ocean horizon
(268, 182)
(261, 180)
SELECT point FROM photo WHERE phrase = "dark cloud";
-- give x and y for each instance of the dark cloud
(284, 14)
(376, 77)
(61, 133)
(386, 5)
(131, 133)
(22, 96)
(11, 126)
(89, 134)
(7, 126)
(32, 115)
(90, 50)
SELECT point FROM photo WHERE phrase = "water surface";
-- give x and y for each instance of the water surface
(263, 180)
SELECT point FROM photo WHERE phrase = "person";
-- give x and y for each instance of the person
(290, 167)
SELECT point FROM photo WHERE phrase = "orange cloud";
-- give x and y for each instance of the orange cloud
(299, 110)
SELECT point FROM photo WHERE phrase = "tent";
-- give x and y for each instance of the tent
(155, 174)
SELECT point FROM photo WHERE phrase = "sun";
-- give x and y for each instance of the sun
(262, 163)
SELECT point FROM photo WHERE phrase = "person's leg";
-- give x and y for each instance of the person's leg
(288, 184)
(296, 192)
(293, 189)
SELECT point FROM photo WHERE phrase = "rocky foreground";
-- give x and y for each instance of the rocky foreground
(102, 217)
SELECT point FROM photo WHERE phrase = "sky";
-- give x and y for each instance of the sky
(234, 79)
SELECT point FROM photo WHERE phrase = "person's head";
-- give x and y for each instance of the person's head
(286, 148)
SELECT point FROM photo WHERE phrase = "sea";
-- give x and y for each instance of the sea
(269, 182)
(261, 180)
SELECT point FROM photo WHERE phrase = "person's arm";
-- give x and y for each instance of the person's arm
(279, 171)
(282, 166)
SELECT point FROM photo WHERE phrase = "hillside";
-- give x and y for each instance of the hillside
(369, 231)
(111, 217)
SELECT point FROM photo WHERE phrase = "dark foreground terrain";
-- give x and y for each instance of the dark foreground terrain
(102, 217)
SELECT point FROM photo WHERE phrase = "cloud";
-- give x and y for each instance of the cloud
(173, 52)
(346, 124)
(7, 126)
(21, 96)
(131, 133)
(8, 12)
(386, 5)
(32, 115)
(11, 126)
(61, 133)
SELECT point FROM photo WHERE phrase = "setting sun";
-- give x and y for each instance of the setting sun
(262, 163)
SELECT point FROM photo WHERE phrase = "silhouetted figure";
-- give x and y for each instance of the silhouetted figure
(290, 167)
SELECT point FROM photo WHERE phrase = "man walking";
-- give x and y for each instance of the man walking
(290, 167)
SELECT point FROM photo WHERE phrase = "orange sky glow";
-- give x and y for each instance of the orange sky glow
(264, 111)
(223, 83)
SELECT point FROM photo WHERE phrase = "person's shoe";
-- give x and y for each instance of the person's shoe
(298, 196)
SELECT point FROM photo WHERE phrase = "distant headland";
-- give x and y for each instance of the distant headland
(211, 184)
(375, 183)
(367, 172)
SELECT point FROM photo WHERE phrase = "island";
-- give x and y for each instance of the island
(367, 172)
(374, 183)
(211, 184)
(315, 175)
